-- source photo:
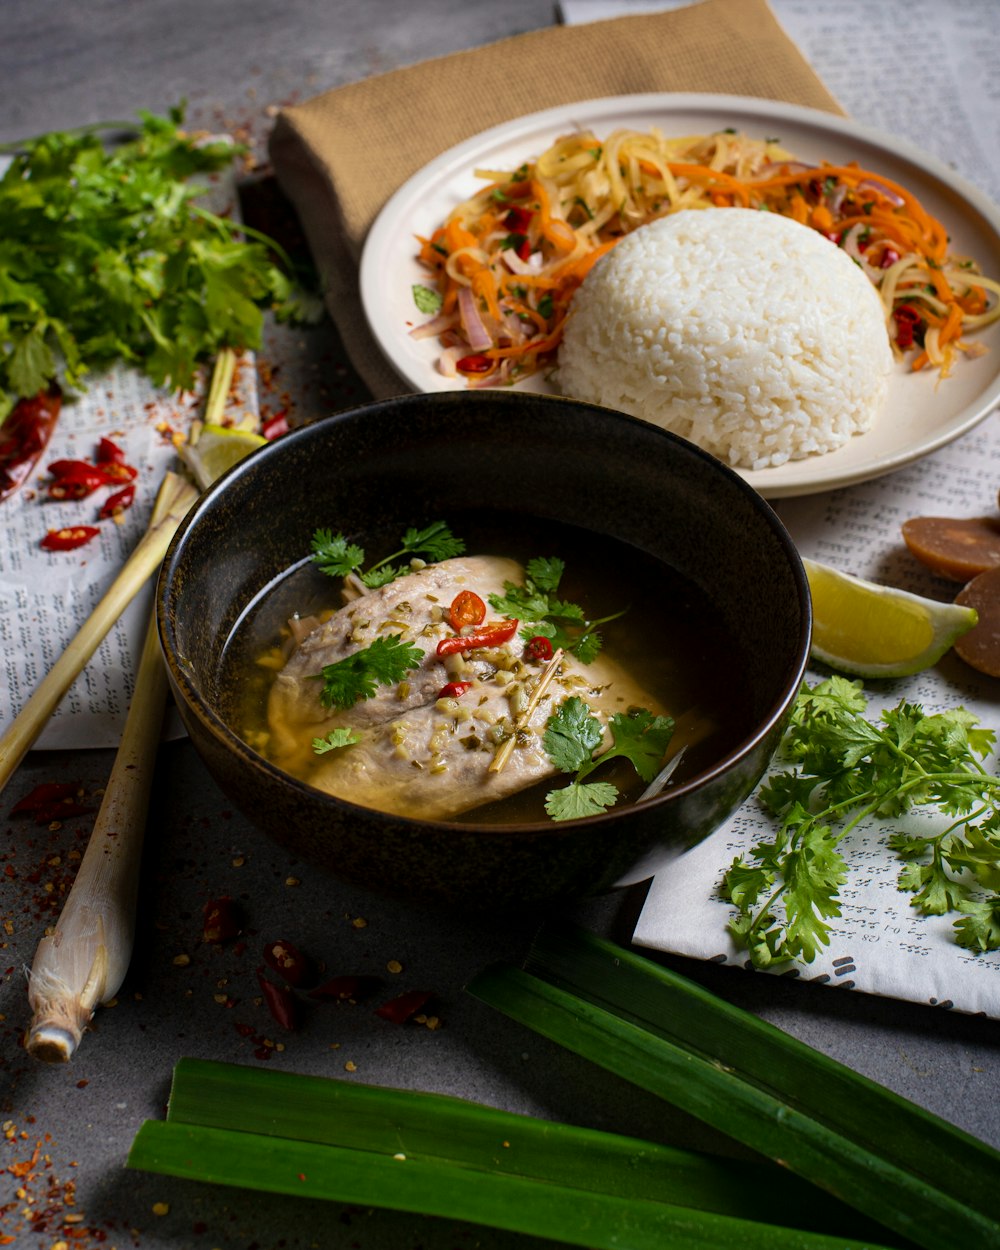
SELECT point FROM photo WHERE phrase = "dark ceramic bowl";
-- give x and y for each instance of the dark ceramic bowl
(383, 467)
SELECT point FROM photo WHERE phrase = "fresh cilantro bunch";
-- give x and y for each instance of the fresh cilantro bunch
(106, 257)
(537, 602)
(573, 734)
(337, 557)
(359, 675)
(846, 769)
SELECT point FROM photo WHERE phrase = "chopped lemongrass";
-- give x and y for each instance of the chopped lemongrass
(544, 681)
(902, 1165)
(84, 960)
(437, 1155)
(175, 497)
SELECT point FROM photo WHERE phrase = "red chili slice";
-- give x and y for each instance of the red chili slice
(454, 689)
(288, 961)
(347, 989)
(517, 220)
(474, 364)
(281, 1002)
(117, 502)
(539, 648)
(24, 435)
(275, 426)
(220, 921)
(51, 800)
(109, 452)
(114, 472)
(466, 609)
(399, 1010)
(75, 479)
(70, 538)
(907, 320)
(492, 635)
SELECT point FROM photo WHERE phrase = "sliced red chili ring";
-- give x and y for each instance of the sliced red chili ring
(288, 961)
(400, 1009)
(24, 435)
(466, 609)
(220, 920)
(454, 689)
(70, 538)
(492, 635)
(275, 426)
(114, 472)
(281, 1002)
(539, 648)
(517, 220)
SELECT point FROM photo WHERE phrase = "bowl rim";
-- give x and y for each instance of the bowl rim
(221, 731)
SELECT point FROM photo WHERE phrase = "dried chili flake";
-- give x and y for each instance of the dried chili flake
(52, 800)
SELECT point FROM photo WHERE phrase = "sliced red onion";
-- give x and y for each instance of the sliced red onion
(449, 358)
(516, 265)
(472, 323)
(892, 196)
(850, 246)
(438, 325)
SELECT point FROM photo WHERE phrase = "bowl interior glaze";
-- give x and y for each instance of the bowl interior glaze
(405, 461)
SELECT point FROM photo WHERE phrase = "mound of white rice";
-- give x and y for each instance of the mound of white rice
(743, 331)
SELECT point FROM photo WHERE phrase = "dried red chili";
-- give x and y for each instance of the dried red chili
(405, 1006)
(492, 635)
(117, 502)
(287, 961)
(281, 1002)
(454, 689)
(24, 435)
(539, 648)
(220, 920)
(466, 609)
(70, 538)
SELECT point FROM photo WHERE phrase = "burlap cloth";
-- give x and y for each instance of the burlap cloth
(340, 156)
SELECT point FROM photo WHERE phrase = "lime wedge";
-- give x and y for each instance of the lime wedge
(217, 449)
(869, 630)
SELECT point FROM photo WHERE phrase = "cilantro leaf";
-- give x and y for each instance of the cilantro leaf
(642, 738)
(338, 557)
(537, 602)
(334, 740)
(571, 735)
(581, 799)
(359, 675)
(845, 769)
(426, 299)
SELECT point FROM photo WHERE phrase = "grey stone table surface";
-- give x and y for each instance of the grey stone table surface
(62, 64)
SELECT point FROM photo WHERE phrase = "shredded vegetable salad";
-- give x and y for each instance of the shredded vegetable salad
(506, 263)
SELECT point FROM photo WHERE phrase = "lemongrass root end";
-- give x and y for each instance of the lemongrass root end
(52, 1043)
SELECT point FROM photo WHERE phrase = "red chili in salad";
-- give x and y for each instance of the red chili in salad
(477, 363)
(492, 635)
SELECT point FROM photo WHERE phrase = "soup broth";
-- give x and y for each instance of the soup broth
(669, 639)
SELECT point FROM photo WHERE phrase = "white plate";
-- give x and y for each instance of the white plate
(921, 414)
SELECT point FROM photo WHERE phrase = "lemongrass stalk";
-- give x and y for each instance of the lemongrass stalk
(84, 960)
(882, 1154)
(175, 497)
(582, 1217)
(439, 1126)
(544, 681)
(218, 390)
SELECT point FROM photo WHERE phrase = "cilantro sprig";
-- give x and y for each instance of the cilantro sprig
(573, 734)
(358, 676)
(106, 256)
(845, 769)
(338, 557)
(335, 740)
(537, 602)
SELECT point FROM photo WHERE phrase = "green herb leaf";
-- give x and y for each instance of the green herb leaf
(581, 799)
(334, 555)
(536, 601)
(572, 734)
(641, 738)
(435, 543)
(847, 769)
(358, 676)
(426, 299)
(334, 740)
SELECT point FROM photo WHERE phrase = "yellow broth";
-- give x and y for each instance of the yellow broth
(670, 640)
